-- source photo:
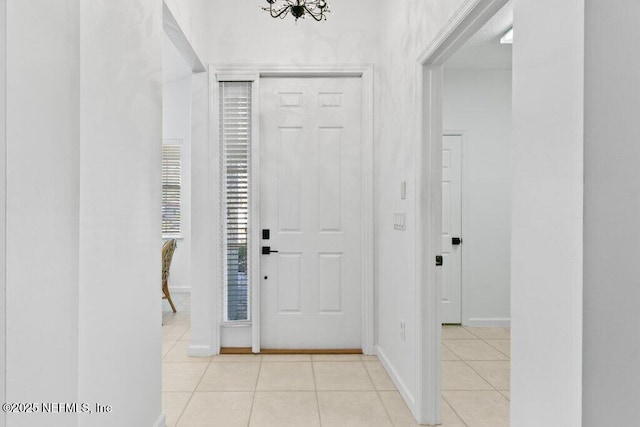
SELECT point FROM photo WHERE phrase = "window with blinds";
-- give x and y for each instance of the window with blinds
(171, 189)
(235, 136)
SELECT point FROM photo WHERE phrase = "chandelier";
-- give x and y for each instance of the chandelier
(298, 8)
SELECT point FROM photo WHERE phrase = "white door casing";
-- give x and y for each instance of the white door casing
(310, 200)
(451, 227)
(470, 16)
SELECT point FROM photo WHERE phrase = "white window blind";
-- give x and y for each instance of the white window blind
(235, 136)
(171, 189)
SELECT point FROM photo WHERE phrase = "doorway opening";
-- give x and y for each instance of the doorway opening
(179, 64)
(465, 140)
(476, 225)
(476, 175)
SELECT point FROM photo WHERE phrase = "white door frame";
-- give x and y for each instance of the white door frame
(255, 73)
(470, 17)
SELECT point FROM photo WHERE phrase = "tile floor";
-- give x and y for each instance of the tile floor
(327, 390)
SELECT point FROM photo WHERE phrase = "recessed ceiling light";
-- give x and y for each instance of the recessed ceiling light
(507, 38)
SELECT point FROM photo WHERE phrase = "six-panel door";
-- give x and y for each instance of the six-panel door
(310, 200)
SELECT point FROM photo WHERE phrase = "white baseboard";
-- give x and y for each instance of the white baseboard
(161, 421)
(201, 350)
(503, 322)
(180, 289)
(400, 385)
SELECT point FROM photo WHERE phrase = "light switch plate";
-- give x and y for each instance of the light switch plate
(399, 220)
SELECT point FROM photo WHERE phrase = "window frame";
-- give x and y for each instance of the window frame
(253, 241)
(177, 143)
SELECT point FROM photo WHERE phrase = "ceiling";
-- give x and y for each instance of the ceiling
(483, 50)
(173, 64)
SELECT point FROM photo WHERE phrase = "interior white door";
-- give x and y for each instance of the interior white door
(451, 228)
(310, 201)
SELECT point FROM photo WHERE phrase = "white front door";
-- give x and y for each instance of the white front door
(451, 228)
(310, 201)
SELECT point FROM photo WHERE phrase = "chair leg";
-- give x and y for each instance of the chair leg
(165, 291)
(173, 307)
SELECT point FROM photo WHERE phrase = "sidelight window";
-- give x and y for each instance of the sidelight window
(235, 137)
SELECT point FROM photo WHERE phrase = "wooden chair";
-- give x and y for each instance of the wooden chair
(167, 254)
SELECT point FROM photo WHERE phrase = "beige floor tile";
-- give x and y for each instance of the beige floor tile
(490, 333)
(285, 408)
(179, 317)
(379, 376)
(351, 408)
(397, 409)
(232, 376)
(496, 373)
(503, 346)
(183, 299)
(337, 357)
(401, 416)
(222, 358)
(186, 336)
(174, 331)
(181, 376)
(286, 358)
(166, 308)
(451, 332)
(286, 376)
(479, 408)
(166, 346)
(459, 376)
(448, 354)
(173, 403)
(368, 357)
(449, 416)
(179, 353)
(342, 376)
(474, 350)
(506, 394)
(212, 409)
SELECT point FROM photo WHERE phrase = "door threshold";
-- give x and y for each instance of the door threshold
(247, 350)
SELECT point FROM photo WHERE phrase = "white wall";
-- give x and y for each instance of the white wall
(477, 103)
(546, 261)
(42, 201)
(611, 349)
(407, 28)
(205, 256)
(120, 210)
(176, 124)
(83, 200)
(183, 12)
